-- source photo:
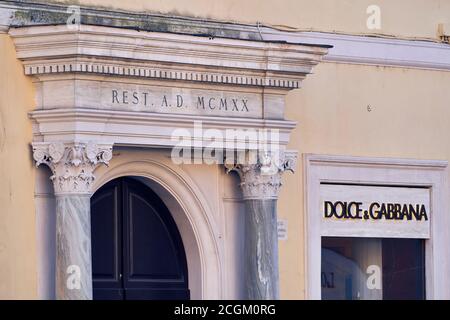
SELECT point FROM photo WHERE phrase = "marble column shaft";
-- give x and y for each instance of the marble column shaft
(260, 178)
(261, 250)
(73, 247)
(72, 165)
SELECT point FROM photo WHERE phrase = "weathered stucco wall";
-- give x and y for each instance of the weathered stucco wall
(18, 276)
(404, 18)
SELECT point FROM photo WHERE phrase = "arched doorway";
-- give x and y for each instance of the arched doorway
(137, 252)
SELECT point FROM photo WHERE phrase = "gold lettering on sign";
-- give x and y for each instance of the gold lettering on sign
(374, 211)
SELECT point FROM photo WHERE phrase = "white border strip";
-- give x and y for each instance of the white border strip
(355, 49)
(371, 50)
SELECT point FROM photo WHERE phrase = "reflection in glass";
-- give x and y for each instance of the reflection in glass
(372, 269)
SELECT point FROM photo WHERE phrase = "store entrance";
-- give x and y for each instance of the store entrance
(372, 268)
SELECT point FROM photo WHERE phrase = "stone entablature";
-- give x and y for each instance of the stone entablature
(136, 88)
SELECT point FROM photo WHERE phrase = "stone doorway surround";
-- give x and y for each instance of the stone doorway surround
(431, 175)
(99, 87)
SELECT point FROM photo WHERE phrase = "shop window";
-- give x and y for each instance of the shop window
(372, 268)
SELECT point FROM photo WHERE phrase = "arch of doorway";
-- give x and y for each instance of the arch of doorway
(192, 215)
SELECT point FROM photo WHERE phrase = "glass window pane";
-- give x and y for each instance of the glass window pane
(372, 269)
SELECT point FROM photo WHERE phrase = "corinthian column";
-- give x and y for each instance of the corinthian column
(260, 175)
(72, 165)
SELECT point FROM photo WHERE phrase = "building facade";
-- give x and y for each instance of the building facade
(224, 150)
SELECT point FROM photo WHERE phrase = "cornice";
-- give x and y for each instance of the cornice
(352, 161)
(55, 115)
(377, 51)
(113, 51)
(144, 129)
(353, 49)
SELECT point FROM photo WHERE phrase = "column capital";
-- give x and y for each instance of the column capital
(261, 171)
(72, 163)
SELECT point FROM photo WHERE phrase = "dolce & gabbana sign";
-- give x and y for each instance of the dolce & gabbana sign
(375, 211)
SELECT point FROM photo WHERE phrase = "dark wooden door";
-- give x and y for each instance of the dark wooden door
(137, 252)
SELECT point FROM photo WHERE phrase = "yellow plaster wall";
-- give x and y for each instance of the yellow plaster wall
(18, 275)
(409, 118)
(401, 18)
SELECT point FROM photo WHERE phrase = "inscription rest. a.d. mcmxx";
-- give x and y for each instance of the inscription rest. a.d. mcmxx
(197, 102)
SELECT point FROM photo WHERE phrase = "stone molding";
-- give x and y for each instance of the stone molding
(261, 173)
(154, 55)
(347, 48)
(140, 71)
(144, 129)
(72, 163)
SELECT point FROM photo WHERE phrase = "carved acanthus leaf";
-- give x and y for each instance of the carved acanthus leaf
(261, 178)
(72, 163)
